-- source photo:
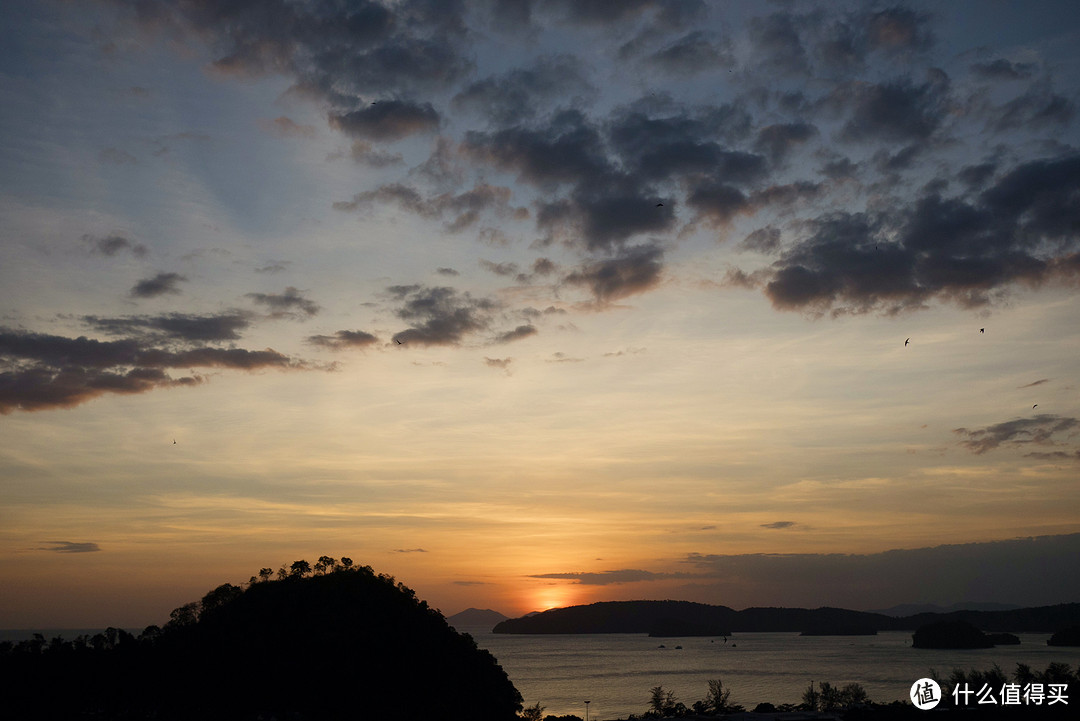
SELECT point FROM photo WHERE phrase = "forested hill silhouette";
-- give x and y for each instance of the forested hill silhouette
(684, 618)
(346, 643)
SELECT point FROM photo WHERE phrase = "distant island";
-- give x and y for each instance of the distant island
(955, 634)
(476, 617)
(685, 618)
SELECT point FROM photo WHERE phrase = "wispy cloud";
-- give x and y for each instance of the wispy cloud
(70, 547)
(1039, 430)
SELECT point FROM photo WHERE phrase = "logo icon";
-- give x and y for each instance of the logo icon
(925, 694)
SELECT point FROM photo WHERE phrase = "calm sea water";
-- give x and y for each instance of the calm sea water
(615, 672)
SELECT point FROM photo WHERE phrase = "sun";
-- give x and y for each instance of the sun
(555, 596)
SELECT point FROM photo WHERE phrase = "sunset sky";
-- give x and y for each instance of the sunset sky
(532, 303)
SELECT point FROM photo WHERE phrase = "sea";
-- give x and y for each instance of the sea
(615, 673)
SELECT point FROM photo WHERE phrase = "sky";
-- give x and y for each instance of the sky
(533, 303)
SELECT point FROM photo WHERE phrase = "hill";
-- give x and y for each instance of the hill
(911, 609)
(476, 617)
(684, 618)
(344, 644)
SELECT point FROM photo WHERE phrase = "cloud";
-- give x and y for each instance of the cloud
(160, 284)
(1003, 69)
(778, 524)
(693, 53)
(282, 304)
(336, 52)
(522, 331)
(343, 339)
(1017, 433)
(946, 574)
(70, 547)
(409, 550)
(179, 326)
(43, 372)
(1037, 108)
(565, 149)
(387, 120)
(464, 209)
(777, 44)
(518, 95)
(503, 363)
(503, 269)
(898, 28)
(634, 270)
(895, 111)
(1011, 571)
(112, 245)
(284, 127)
(442, 315)
(1020, 229)
(777, 141)
(607, 578)
(1054, 456)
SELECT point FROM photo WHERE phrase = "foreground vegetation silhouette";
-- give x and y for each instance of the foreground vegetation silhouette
(333, 642)
(852, 703)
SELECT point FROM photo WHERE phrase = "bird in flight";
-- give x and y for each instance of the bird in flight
(174, 441)
(1035, 406)
(399, 342)
(907, 341)
(659, 205)
(982, 330)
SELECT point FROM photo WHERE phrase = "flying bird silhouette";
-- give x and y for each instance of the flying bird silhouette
(1035, 406)
(982, 330)
(907, 341)
(399, 342)
(659, 205)
(174, 441)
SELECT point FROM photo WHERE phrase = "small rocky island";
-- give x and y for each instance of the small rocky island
(958, 634)
(1065, 637)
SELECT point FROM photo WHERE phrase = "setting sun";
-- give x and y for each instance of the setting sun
(555, 596)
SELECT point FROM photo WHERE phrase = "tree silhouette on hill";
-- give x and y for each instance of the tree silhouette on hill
(346, 643)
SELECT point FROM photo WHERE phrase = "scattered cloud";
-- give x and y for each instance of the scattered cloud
(177, 326)
(284, 304)
(388, 120)
(43, 372)
(634, 270)
(518, 95)
(160, 284)
(778, 524)
(344, 339)
(442, 315)
(112, 245)
(522, 331)
(1039, 430)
